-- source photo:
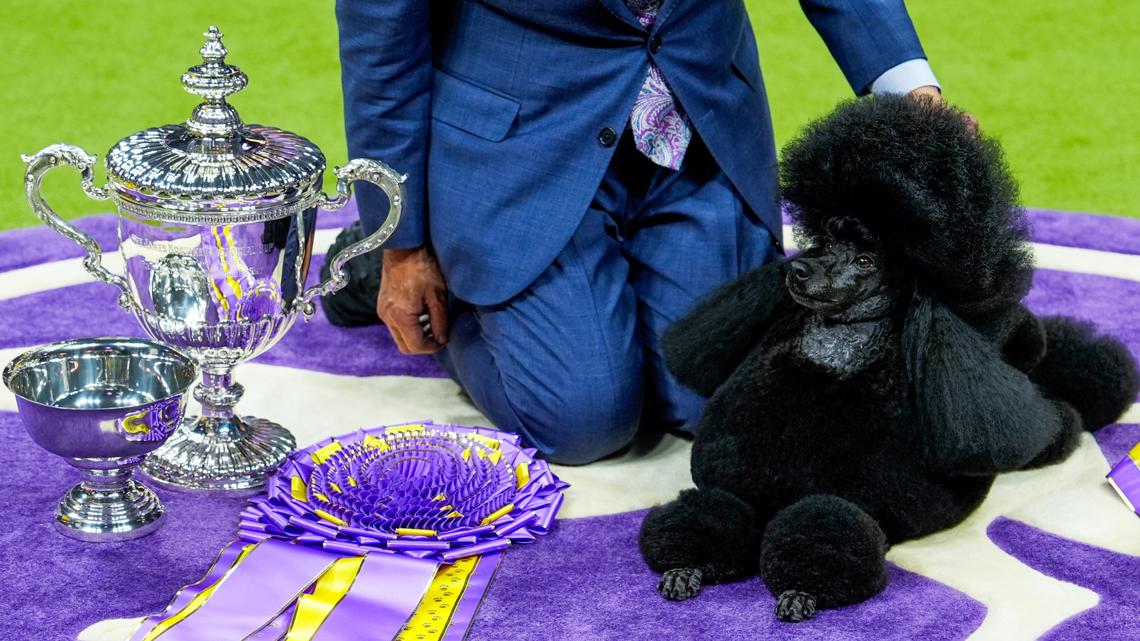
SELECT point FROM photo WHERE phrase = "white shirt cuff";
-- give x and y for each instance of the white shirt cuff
(905, 77)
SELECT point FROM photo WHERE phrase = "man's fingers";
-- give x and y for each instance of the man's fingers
(412, 335)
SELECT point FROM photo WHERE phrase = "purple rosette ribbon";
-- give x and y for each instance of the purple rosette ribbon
(1125, 478)
(392, 533)
(442, 492)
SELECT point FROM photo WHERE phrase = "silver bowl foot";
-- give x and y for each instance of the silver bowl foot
(232, 457)
(108, 515)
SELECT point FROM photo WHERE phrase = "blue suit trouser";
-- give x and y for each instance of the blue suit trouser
(573, 363)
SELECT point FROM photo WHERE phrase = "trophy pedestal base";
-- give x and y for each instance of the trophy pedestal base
(233, 457)
(108, 514)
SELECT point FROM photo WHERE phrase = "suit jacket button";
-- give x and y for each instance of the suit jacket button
(655, 44)
(607, 137)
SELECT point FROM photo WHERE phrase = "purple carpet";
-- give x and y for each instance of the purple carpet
(586, 580)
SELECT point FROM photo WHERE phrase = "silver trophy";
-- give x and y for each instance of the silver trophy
(103, 404)
(216, 222)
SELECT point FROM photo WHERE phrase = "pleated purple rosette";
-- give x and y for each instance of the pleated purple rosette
(387, 534)
(442, 492)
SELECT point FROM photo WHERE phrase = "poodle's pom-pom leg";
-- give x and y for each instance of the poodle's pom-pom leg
(1094, 373)
(705, 536)
(822, 552)
(1067, 439)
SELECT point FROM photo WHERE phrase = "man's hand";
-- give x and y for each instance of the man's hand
(934, 94)
(413, 300)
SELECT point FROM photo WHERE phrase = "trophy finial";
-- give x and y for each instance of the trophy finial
(213, 50)
(214, 79)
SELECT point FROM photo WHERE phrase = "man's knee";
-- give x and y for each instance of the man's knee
(582, 425)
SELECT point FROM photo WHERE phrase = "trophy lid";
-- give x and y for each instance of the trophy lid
(214, 168)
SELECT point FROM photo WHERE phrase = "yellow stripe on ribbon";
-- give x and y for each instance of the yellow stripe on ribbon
(400, 429)
(330, 518)
(498, 514)
(433, 616)
(408, 531)
(198, 601)
(298, 489)
(323, 454)
(313, 609)
(495, 456)
(522, 474)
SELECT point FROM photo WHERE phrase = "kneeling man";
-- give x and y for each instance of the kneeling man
(579, 172)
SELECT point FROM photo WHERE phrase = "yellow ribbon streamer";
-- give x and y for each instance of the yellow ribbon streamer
(312, 609)
(433, 616)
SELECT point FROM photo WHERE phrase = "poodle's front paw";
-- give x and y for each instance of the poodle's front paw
(680, 584)
(793, 606)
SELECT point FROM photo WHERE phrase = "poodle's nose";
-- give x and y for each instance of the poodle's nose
(800, 269)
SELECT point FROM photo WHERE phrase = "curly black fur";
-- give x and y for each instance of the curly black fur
(807, 466)
(355, 304)
(930, 188)
(1092, 372)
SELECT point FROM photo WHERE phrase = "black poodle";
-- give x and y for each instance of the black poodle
(869, 390)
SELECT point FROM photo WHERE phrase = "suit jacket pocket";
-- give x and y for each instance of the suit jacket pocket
(478, 111)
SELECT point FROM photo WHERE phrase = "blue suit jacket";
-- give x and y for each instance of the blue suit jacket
(494, 109)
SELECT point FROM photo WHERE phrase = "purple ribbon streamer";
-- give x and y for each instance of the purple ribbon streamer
(223, 563)
(263, 585)
(1125, 477)
(386, 592)
(464, 614)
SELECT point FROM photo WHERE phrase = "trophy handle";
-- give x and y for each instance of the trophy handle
(385, 178)
(37, 165)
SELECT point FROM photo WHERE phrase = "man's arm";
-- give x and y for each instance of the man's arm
(385, 60)
(874, 43)
(386, 73)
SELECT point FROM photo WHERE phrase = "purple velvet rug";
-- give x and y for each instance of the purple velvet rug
(586, 580)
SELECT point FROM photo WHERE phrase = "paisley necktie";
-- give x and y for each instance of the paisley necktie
(661, 129)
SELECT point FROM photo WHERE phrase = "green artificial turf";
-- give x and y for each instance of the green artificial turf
(1055, 80)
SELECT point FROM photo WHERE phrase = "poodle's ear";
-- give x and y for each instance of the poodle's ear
(975, 413)
(704, 347)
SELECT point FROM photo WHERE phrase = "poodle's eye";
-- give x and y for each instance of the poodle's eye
(829, 247)
(863, 261)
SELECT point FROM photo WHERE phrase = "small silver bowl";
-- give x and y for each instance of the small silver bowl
(102, 404)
